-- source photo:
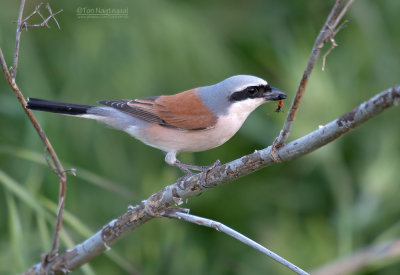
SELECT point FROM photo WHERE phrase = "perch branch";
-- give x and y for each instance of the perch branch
(177, 193)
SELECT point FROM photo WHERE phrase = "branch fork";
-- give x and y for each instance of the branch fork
(326, 34)
(44, 23)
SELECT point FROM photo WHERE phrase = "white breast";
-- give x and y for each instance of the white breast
(174, 140)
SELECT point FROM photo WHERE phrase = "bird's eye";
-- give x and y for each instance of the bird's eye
(252, 90)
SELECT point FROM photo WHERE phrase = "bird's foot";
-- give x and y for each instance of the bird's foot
(187, 167)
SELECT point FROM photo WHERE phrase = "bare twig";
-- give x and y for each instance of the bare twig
(35, 11)
(326, 34)
(60, 172)
(167, 197)
(25, 25)
(44, 23)
(180, 215)
(22, 24)
(17, 41)
(342, 14)
(334, 45)
(10, 77)
(361, 259)
(333, 42)
(52, 15)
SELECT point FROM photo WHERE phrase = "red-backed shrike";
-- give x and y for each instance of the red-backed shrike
(191, 121)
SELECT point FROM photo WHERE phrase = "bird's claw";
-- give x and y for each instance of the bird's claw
(204, 173)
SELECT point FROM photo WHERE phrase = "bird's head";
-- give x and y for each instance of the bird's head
(239, 93)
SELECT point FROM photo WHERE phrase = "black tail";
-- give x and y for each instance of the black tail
(56, 107)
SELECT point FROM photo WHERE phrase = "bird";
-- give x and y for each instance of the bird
(194, 120)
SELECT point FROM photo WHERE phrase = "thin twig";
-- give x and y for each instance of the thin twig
(137, 215)
(334, 45)
(180, 215)
(333, 42)
(44, 23)
(41, 16)
(25, 25)
(17, 41)
(10, 77)
(35, 11)
(52, 15)
(60, 172)
(325, 35)
(342, 14)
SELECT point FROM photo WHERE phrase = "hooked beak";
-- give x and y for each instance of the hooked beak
(274, 94)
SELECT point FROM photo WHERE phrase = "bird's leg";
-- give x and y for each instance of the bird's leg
(204, 169)
(171, 159)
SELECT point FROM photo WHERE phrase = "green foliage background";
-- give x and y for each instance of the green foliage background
(325, 205)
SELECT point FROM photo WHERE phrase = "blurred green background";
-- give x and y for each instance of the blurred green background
(325, 205)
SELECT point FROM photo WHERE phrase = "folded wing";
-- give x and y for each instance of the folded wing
(182, 111)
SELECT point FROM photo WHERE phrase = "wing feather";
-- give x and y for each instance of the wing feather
(183, 111)
(136, 109)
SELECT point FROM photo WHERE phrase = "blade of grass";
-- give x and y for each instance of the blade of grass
(69, 218)
(43, 232)
(16, 234)
(82, 173)
(46, 205)
(20, 192)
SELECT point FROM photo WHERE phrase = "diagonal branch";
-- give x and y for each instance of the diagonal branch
(326, 34)
(173, 194)
(10, 77)
(59, 171)
(183, 214)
